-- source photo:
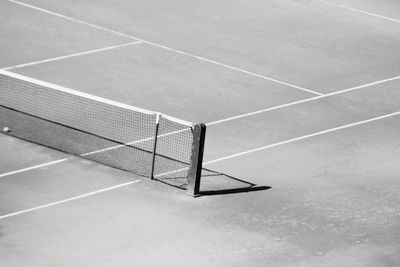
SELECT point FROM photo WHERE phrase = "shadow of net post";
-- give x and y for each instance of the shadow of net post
(215, 183)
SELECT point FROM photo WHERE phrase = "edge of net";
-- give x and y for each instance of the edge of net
(89, 96)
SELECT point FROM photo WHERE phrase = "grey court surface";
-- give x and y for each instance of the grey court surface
(302, 105)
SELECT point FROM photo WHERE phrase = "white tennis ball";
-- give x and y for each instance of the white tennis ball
(6, 129)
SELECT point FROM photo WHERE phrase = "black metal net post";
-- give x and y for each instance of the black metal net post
(196, 160)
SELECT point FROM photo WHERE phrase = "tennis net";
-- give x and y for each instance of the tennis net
(143, 142)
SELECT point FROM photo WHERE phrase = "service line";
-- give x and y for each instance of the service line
(72, 55)
(303, 101)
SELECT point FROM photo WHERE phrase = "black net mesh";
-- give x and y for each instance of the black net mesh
(172, 159)
(96, 129)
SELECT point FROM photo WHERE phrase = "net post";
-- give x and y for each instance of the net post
(155, 146)
(196, 160)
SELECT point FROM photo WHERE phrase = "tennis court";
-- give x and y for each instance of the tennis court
(301, 105)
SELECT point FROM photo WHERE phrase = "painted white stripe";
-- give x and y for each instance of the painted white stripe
(234, 68)
(72, 55)
(35, 167)
(368, 84)
(302, 101)
(134, 142)
(302, 137)
(171, 172)
(96, 152)
(67, 200)
(73, 19)
(167, 48)
(361, 11)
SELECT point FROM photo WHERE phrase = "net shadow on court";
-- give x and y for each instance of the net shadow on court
(218, 183)
(140, 141)
(215, 183)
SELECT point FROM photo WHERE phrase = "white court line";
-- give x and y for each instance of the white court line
(133, 142)
(360, 11)
(35, 167)
(303, 137)
(166, 47)
(232, 118)
(302, 101)
(72, 19)
(235, 68)
(208, 162)
(71, 55)
(68, 199)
